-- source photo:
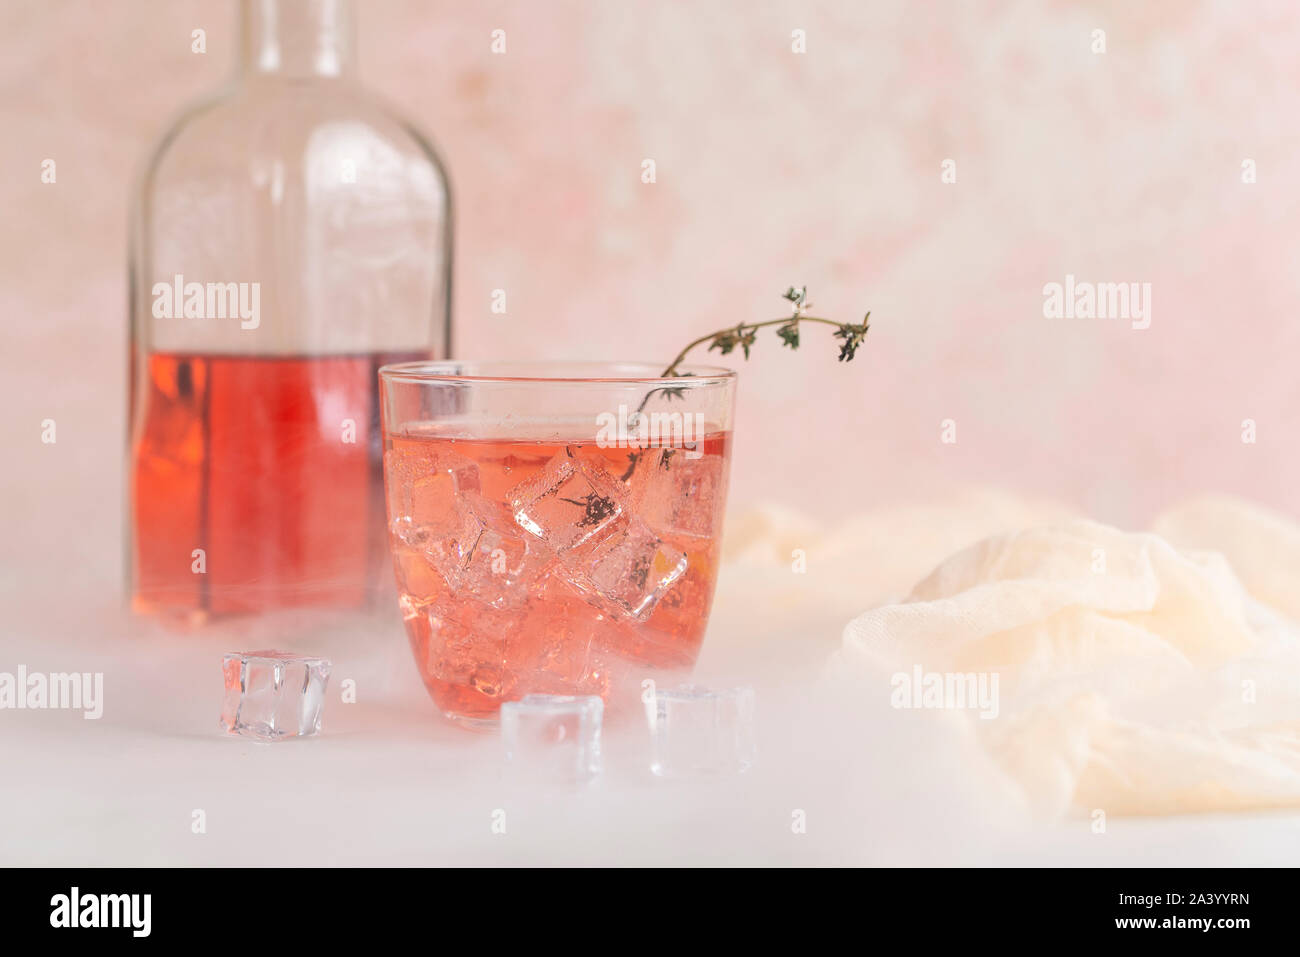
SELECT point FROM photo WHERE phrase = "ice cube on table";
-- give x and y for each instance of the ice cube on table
(629, 572)
(700, 730)
(675, 493)
(572, 501)
(553, 738)
(271, 695)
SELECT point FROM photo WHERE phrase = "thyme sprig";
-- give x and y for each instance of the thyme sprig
(744, 335)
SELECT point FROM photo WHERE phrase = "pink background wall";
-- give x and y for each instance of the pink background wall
(773, 168)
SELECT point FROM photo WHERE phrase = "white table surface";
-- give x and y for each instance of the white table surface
(390, 782)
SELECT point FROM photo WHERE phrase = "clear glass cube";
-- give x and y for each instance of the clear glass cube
(696, 730)
(271, 695)
(553, 737)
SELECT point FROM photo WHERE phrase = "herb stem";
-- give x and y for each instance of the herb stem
(788, 320)
(850, 334)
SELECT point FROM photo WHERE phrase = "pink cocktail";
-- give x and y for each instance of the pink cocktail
(555, 529)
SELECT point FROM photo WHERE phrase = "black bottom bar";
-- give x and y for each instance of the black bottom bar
(323, 907)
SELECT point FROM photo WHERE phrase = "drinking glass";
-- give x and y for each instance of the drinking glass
(555, 527)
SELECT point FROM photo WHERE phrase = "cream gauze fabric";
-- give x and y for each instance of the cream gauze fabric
(1152, 673)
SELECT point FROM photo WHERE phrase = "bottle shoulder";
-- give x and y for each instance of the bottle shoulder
(307, 127)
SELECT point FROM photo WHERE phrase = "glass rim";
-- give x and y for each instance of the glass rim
(437, 370)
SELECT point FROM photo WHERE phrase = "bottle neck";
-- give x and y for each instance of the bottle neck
(296, 38)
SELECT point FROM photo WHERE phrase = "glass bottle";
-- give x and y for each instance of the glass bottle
(288, 237)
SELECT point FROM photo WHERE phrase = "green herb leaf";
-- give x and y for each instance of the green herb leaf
(852, 336)
(726, 341)
(746, 337)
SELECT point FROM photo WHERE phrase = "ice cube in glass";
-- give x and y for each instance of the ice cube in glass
(629, 572)
(572, 501)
